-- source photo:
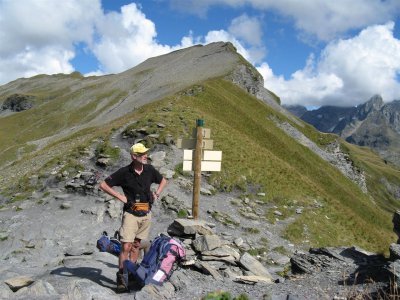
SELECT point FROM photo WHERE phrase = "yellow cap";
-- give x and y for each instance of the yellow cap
(139, 148)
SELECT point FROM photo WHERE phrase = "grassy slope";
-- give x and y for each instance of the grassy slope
(257, 153)
(290, 174)
(55, 110)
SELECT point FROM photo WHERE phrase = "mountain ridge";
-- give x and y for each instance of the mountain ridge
(374, 124)
(109, 97)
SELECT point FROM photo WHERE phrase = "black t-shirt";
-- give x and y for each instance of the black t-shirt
(133, 183)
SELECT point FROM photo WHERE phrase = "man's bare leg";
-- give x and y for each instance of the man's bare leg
(134, 251)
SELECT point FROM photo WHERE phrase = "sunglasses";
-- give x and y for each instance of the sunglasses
(141, 154)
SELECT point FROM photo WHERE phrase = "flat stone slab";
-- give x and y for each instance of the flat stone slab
(19, 282)
(190, 227)
(38, 289)
(253, 279)
(225, 250)
(207, 242)
(253, 265)
(210, 270)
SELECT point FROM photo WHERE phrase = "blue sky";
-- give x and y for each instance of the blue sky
(310, 52)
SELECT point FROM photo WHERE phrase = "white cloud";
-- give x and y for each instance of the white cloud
(248, 32)
(247, 28)
(129, 38)
(348, 72)
(320, 18)
(46, 60)
(328, 19)
(39, 36)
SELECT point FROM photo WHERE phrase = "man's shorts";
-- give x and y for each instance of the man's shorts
(134, 227)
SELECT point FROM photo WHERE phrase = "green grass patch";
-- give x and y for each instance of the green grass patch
(285, 211)
(222, 295)
(280, 249)
(251, 230)
(179, 171)
(104, 148)
(286, 271)
(258, 251)
(182, 213)
(224, 218)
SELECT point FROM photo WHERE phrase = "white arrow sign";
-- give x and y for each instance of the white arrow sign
(212, 166)
(211, 160)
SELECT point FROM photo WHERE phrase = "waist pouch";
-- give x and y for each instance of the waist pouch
(139, 209)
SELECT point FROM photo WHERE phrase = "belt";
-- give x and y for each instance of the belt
(139, 209)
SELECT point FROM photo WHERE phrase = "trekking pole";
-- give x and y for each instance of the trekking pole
(197, 168)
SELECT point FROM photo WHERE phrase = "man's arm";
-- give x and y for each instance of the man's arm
(160, 188)
(109, 190)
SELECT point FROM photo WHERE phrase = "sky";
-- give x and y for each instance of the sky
(310, 52)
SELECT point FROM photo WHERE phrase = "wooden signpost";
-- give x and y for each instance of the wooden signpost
(194, 158)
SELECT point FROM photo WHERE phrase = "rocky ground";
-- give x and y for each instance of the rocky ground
(48, 243)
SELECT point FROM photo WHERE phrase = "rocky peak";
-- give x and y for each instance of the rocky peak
(163, 75)
(391, 112)
(373, 104)
(374, 124)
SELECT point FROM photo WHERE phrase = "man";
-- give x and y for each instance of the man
(135, 181)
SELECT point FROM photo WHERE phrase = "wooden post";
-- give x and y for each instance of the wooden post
(197, 168)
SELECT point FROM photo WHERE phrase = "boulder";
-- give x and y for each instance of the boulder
(206, 242)
(87, 289)
(167, 173)
(19, 282)
(224, 253)
(394, 270)
(303, 263)
(157, 159)
(209, 270)
(103, 162)
(184, 227)
(253, 265)
(150, 292)
(394, 250)
(180, 280)
(396, 224)
(66, 205)
(238, 241)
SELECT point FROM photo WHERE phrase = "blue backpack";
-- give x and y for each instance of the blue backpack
(157, 265)
(109, 244)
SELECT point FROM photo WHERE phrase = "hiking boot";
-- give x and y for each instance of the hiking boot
(122, 284)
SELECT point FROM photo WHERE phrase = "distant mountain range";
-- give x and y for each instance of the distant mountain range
(374, 124)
